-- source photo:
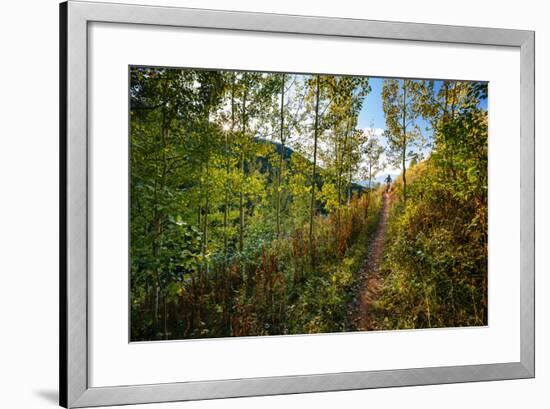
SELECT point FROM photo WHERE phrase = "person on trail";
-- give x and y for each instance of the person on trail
(388, 183)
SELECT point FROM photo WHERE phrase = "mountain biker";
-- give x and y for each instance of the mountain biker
(388, 181)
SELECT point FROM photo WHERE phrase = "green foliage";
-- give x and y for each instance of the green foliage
(245, 220)
(220, 207)
(436, 259)
(402, 106)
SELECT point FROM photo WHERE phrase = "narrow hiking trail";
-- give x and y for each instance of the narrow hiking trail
(370, 269)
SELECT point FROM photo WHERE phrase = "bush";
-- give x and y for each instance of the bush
(435, 267)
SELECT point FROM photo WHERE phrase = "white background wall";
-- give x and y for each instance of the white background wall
(29, 202)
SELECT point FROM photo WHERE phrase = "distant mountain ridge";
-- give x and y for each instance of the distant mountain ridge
(356, 186)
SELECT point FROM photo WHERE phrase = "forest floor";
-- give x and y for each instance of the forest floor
(370, 270)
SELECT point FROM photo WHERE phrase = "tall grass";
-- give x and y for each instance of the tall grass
(275, 288)
(435, 267)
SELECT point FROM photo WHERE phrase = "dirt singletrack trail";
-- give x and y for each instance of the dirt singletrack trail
(370, 270)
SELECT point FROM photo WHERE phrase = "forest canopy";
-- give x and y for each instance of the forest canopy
(264, 204)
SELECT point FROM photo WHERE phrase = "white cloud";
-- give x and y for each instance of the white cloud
(373, 131)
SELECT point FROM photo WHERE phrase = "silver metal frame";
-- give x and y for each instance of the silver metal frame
(74, 19)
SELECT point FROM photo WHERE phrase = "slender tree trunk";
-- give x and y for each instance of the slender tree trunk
(350, 181)
(155, 251)
(200, 285)
(227, 172)
(165, 317)
(404, 151)
(370, 176)
(281, 157)
(450, 147)
(158, 223)
(199, 209)
(344, 152)
(338, 170)
(156, 310)
(368, 191)
(338, 181)
(350, 146)
(206, 199)
(206, 210)
(241, 192)
(314, 170)
(226, 207)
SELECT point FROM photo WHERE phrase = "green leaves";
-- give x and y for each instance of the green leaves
(437, 249)
(235, 228)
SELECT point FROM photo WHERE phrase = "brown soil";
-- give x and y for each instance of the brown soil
(370, 270)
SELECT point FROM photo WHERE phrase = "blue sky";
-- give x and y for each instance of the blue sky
(372, 116)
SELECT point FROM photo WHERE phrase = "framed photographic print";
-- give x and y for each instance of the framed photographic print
(257, 204)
